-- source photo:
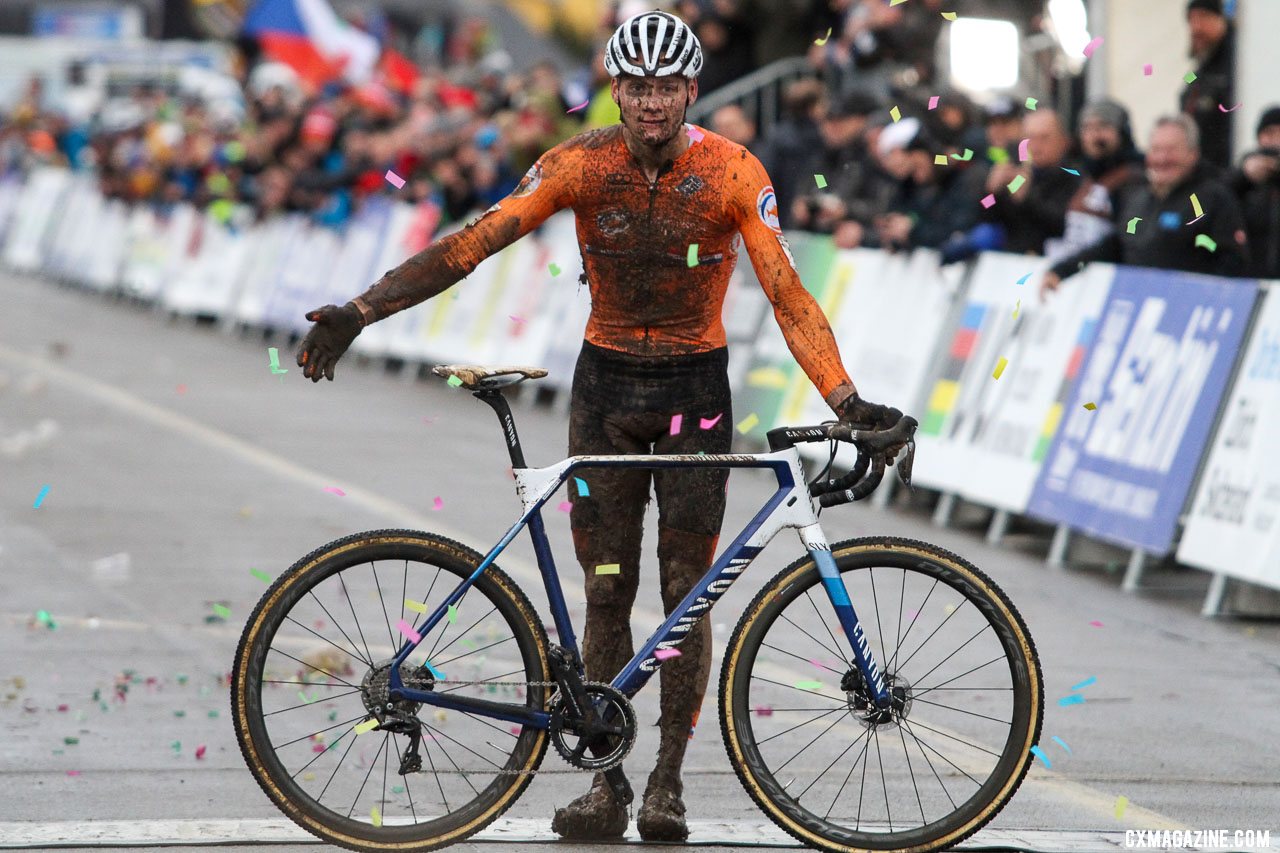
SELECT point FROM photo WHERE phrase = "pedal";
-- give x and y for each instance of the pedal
(619, 785)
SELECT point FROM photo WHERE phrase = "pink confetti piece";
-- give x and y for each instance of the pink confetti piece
(933, 102)
(73, 772)
(437, 504)
(1233, 109)
(664, 654)
(1147, 70)
(708, 423)
(394, 179)
(335, 490)
(989, 201)
(1092, 46)
(1095, 623)
(676, 422)
(694, 134)
(565, 506)
(200, 750)
(1024, 150)
(182, 389)
(763, 711)
(515, 730)
(428, 420)
(516, 319)
(578, 107)
(407, 630)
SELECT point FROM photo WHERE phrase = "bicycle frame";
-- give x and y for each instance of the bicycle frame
(789, 506)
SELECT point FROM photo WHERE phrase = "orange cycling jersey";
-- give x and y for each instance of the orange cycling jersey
(636, 239)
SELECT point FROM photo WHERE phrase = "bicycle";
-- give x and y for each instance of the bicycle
(485, 730)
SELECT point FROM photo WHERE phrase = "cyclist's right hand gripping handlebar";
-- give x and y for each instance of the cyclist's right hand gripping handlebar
(872, 446)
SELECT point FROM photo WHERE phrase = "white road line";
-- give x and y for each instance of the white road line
(27, 835)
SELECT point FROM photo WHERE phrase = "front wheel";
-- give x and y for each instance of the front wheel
(815, 753)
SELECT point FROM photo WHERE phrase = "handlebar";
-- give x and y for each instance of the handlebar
(872, 445)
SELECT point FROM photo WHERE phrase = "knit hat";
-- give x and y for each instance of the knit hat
(1214, 6)
(1108, 112)
(1270, 117)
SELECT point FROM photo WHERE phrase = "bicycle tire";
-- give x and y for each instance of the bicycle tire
(801, 576)
(271, 611)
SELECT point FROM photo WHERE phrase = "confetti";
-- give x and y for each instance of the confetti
(989, 201)
(1195, 205)
(763, 710)
(808, 685)
(1024, 150)
(553, 269)
(274, 355)
(1031, 103)
(366, 726)
(40, 497)
(1016, 309)
(823, 40)
(565, 506)
(1016, 184)
(578, 107)
(1062, 743)
(933, 102)
(767, 377)
(1204, 241)
(694, 134)
(1073, 699)
(1039, 753)
(1000, 366)
(71, 741)
(1233, 109)
(665, 654)
(820, 181)
(1189, 78)
(896, 2)
(435, 673)
(1121, 804)
(1197, 219)
(334, 490)
(1092, 46)
(940, 160)
(260, 575)
(950, 16)
(1090, 680)
(181, 389)
(222, 610)
(415, 606)
(966, 157)
(451, 613)
(200, 750)
(1147, 70)
(708, 423)
(516, 319)
(1023, 280)
(748, 423)
(895, 114)
(1071, 171)
(437, 504)
(692, 257)
(1095, 623)
(1132, 227)
(453, 382)
(609, 569)
(585, 492)
(407, 630)
(375, 816)
(394, 179)
(1091, 407)
(676, 422)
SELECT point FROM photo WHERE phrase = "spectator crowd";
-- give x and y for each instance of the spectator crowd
(947, 173)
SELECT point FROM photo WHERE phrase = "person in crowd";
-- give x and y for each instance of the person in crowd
(1161, 226)
(844, 167)
(1257, 184)
(728, 41)
(1037, 211)
(732, 122)
(1003, 130)
(792, 151)
(1213, 48)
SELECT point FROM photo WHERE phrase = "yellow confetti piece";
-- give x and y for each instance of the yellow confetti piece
(896, 2)
(1091, 406)
(950, 16)
(1204, 241)
(820, 181)
(1195, 205)
(895, 114)
(692, 258)
(1133, 225)
(366, 726)
(748, 423)
(767, 377)
(823, 40)
(1121, 804)
(308, 777)
(1016, 184)
(609, 569)
(1000, 366)
(1016, 309)
(415, 606)
(940, 160)
(375, 816)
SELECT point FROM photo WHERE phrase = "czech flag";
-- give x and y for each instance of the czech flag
(309, 37)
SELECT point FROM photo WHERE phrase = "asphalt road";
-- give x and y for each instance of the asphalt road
(173, 444)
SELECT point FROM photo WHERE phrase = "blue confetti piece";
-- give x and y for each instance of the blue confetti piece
(583, 491)
(439, 676)
(1039, 753)
(1070, 171)
(1062, 743)
(1073, 699)
(1090, 680)
(40, 497)
(1023, 280)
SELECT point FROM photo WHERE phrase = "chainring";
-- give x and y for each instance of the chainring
(616, 743)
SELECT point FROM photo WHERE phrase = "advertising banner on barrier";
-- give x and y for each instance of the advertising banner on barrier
(1233, 524)
(1156, 374)
(39, 203)
(986, 438)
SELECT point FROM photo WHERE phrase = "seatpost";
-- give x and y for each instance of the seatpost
(498, 403)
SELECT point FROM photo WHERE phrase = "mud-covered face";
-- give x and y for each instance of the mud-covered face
(653, 108)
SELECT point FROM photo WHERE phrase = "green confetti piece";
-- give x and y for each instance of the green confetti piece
(453, 381)
(808, 685)
(692, 258)
(1016, 184)
(1204, 241)
(176, 746)
(821, 181)
(71, 741)
(748, 423)
(1189, 78)
(1031, 103)
(452, 613)
(213, 714)
(333, 715)
(179, 713)
(895, 114)
(964, 158)
(555, 270)
(609, 569)
(181, 679)
(1132, 227)
(260, 575)
(997, 155)
(222, 610)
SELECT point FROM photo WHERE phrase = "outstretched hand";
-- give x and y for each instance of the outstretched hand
(334, 330)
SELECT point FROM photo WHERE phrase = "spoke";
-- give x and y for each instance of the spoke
(902, 598)
(426, 598)
(345, 752)
(818, 615)
(842, 754)
(784, 710)
(903, 665)
(439, 733)
(883, 782)
(957, 740)
(337, 624)
(309, 704)
(385, 758)
(368, 773)
(800, 658)
(461, 772)
(405, 776)
(847, 777)
(343, 585)
(793, 728)
(921, 692)
(313, 666)
(912, 772)
(961, 711)
(435, 773)
(925, 755)
(919, 610)
(809, 744)
(378, 585)
(480, 719)
(330, 642)
(404, 593)
(875, 602)
(862, 789)
(963, 772)
(443, 663)
(954, 651)
(464, 631)
(279, 747)
(793, 687)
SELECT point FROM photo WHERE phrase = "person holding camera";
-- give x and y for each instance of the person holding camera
(1257, 184)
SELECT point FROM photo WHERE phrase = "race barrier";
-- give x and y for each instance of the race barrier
(1096, 411)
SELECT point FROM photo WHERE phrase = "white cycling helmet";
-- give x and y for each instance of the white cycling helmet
(653, 44)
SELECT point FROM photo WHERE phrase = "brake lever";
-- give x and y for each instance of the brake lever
(904, 464)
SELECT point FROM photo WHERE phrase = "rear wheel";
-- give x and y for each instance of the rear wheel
(822, 761)
(312, 666)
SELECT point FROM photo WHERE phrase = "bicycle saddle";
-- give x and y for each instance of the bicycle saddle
(471, 375)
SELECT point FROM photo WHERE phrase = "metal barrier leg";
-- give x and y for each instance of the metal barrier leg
(1058, 547)
(1133, 574)
(942, 513)
(1213, 598)
(999, 526)
(883, 495)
